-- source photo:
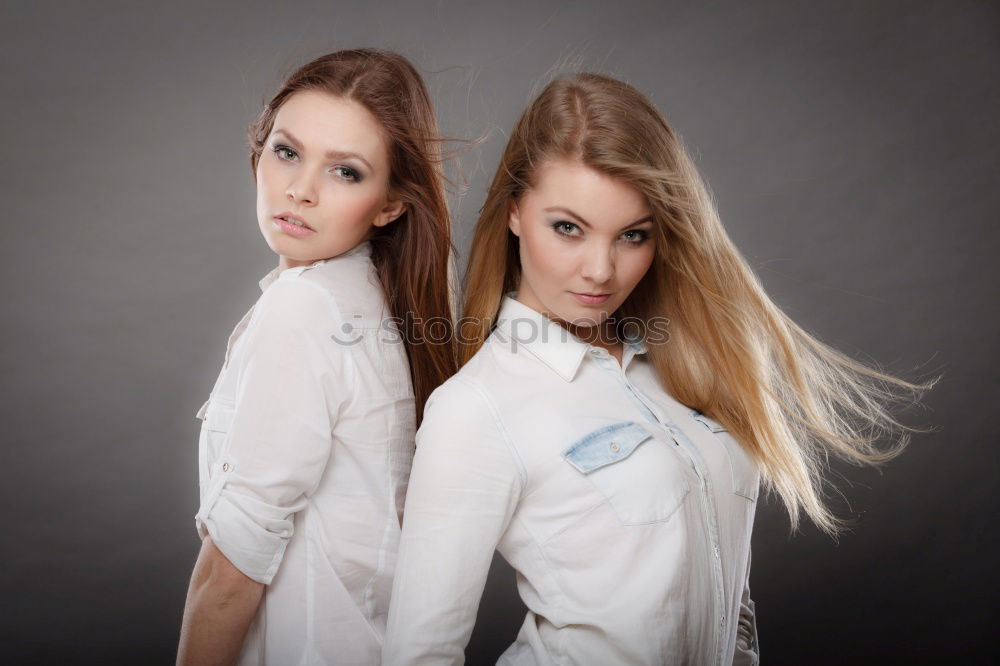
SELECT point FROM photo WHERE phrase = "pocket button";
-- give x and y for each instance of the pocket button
(640, 476)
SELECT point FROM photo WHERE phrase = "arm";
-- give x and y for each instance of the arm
(747, 650)
(277, 444)
(220, 605)
(464, 487)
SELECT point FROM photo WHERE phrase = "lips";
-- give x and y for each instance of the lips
(293, 226)
(292, 218)
(590, 299)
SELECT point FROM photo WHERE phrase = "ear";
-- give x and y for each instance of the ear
(513, 217)
(393, 208)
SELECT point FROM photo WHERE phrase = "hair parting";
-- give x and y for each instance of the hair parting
(790, 399)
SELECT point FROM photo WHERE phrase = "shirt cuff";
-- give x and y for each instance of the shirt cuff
(251, 534)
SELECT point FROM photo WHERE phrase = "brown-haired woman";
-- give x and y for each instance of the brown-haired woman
(307, 435)
(626, 385)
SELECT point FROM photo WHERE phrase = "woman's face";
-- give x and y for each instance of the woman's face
(585, 242)
(326, 164)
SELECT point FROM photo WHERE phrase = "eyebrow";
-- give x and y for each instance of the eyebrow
(330, 154)
(578, 218)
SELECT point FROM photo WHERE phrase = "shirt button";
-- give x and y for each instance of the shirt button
(614, 446)
(722, 620)
(225, 467)
(715, 549)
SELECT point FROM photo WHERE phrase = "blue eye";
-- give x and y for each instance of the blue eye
(564, 228)
(347, 173)
(640, 236)
(279, 149)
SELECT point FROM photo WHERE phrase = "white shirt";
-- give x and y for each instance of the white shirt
(304, 455)
(626, 514)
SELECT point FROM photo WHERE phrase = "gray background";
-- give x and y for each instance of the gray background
(852, 149)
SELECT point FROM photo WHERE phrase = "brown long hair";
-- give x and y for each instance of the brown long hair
(411, 255)
(732, 353)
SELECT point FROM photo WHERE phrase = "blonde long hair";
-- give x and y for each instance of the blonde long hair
(790, 399)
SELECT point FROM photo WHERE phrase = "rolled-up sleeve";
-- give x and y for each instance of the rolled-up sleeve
(464, 487)
(288, 391)
(747, 651)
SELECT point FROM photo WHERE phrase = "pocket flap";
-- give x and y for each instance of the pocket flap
(605, 446)
(202, 410)
(218, 415)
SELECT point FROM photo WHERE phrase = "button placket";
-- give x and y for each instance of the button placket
(711, 513)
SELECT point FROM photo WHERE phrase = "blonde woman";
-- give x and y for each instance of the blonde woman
(627, 385)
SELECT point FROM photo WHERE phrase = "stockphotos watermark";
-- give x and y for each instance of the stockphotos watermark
(523, 330)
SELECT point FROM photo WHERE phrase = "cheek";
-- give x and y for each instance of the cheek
(544, 256)
(353, 205)
(267, 181)
(263, 197)
(265, 172)
(634, 265)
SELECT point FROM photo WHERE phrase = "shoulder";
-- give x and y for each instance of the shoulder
(338, 288)
(472, 386)
(465, 402)
(498, 371)
(294, 303)
(462, 404)
(350, 282)
(462, 427)
(458, 394)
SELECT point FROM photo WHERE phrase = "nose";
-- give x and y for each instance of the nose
(599, 264)
(302, 189)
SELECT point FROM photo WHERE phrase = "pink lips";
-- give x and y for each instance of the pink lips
(293, 229)
(590, 299)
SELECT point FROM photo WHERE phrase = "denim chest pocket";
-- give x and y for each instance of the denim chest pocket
(744, 470)
(640, 477)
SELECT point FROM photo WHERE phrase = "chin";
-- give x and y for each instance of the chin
(589, 321)
(584, 317)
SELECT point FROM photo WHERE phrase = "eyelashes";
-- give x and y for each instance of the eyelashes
(564, 228)
(641, 236)
(347, 173)
(277, 150)
(287, 154)
(572, 230)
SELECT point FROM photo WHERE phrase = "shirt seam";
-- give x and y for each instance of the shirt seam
(553, 572)
(518, 461)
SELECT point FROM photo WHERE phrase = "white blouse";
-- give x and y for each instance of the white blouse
(304, 453)
(626, 514)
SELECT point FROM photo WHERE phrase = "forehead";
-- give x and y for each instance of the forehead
(325, 122)
(601, 199)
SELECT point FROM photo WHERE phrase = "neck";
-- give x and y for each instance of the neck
(602, 335)
(285, 262)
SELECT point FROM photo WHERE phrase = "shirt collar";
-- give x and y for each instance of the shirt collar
(364, 249)
(549, 342)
